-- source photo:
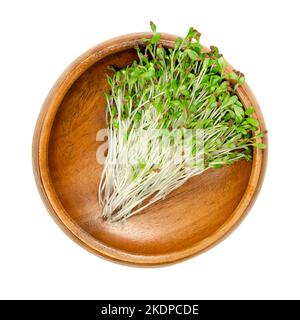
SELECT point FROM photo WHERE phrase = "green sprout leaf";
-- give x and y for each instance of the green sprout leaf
(241, 81)
(155, 38)
(178, 43)
(260, 135)
(153, 26)
(232, 75)
(239, 112)
(254, 122)
(192, 33)
(259, 145)
(192, 54)
(249, 111)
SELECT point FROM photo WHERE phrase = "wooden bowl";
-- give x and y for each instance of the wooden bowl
(191, 219)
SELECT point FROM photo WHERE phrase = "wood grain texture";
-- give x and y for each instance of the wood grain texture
(190, 220)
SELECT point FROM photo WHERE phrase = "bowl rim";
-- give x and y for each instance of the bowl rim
(47, 191)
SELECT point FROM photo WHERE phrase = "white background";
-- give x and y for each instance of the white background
(261, 259)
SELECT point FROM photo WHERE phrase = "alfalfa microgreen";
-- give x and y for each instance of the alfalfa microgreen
(185, 94)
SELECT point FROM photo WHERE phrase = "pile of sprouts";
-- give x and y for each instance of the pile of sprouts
(171, 115)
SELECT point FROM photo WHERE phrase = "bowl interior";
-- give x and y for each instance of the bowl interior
(188, 216)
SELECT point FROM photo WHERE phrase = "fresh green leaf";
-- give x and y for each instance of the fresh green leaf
(233, 99)
(254, 122)
(260, 145)
(241, 81)
(192, 54)
(153, 26)
(155, 38)
(191, 34)
(178, 88)
(232, 75)
(178, 43)
(249, 111)
(239, 111)
(222, 64)
(260, 135)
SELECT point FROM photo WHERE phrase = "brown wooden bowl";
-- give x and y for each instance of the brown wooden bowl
(190, 220)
